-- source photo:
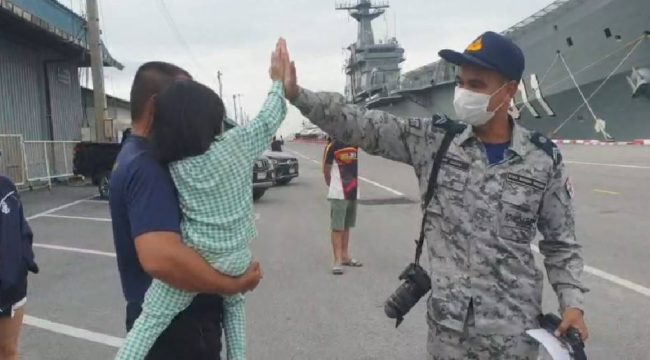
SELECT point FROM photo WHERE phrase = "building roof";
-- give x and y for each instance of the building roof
(49, 20)
(88, 93)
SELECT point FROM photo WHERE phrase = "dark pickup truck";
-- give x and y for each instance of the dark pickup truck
(95, 161)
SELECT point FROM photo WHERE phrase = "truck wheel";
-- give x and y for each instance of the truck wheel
(104, 185)
(257, 193)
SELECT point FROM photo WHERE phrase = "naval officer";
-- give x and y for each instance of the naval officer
(498, 184)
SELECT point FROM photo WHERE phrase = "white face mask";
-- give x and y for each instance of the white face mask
(472, 107)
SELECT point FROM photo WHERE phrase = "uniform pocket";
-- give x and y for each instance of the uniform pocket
(435, 217)
(519, 213)
(451, 185)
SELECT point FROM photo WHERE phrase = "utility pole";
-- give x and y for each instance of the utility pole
(234, 106)
(219, 73)
(97, 66)
(241, 110)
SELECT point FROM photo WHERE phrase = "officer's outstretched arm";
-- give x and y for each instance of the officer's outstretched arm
(562, 253)
(376, 132)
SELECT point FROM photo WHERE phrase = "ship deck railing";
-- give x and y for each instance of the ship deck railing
(536, 16)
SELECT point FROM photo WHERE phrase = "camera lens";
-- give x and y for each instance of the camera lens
(402, 300)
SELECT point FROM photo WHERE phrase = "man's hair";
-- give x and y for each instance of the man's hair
(151, 79)
(188, 118)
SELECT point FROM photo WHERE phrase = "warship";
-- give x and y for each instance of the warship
(587, 70)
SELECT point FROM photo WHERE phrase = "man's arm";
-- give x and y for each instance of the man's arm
(164, 256)
(154, 217)
(562, 253)
(328, 160)
(327, 174)
(376, 132)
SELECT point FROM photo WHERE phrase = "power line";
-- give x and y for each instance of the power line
(103, 23)
(179, 36)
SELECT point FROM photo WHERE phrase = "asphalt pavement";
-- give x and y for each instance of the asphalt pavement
(300, 310)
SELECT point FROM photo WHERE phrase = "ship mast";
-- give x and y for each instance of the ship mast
(364, 11)
(372, 69)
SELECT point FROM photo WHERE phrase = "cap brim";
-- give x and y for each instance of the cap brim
(459, 59)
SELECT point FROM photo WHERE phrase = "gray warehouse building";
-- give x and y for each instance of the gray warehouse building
(42, 46)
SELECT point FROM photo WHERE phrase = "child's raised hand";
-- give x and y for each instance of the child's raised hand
(279, 61)
(278, 65)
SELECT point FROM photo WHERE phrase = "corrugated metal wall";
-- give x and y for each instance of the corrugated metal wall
(23, 92)
(65, 97)
(22, 96)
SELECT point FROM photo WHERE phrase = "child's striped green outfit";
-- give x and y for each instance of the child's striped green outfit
(215, 194)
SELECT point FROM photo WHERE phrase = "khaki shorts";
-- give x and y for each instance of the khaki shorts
(343, 214)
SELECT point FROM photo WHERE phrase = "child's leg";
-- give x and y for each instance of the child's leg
(235, 326)
(161, 304)
(234, 307)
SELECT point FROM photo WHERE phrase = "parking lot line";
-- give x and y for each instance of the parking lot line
(94, 200)
(74, 249)
(608, 192)
(72, 331)
(371, 182)
(624, 166)
(58, 208)
(77, 218)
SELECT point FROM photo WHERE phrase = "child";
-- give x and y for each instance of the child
(212, 172)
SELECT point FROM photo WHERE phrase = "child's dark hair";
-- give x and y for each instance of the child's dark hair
(188, 117)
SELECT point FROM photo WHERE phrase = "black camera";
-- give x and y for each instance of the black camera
(572, 339)
(416, 284)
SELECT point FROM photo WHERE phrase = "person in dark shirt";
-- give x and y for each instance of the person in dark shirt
(16, 259)
(340, 169)
(146, 231)
(276, 145)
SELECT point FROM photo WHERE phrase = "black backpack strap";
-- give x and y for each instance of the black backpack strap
(451, 130)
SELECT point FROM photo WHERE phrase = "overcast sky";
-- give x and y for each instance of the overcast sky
(237, 37)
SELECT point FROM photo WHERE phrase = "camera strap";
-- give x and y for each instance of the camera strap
(452, 129)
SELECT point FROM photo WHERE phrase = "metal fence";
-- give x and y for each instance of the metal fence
(32, 161)
(12, 158)
(47, 160)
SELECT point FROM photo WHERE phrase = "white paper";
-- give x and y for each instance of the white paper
(553, 346)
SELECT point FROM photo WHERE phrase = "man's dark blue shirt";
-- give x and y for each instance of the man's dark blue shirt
(142, 200)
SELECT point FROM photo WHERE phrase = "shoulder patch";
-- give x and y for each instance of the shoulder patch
(415, 126)
(442, 122)
(415, 123)
(548, 146)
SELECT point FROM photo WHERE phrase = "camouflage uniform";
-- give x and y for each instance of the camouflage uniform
(479, 226)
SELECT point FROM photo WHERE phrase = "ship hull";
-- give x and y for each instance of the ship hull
(598, 47)
(626, 117)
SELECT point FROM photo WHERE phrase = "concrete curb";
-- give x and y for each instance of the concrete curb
(642, 142)
(638, 142)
